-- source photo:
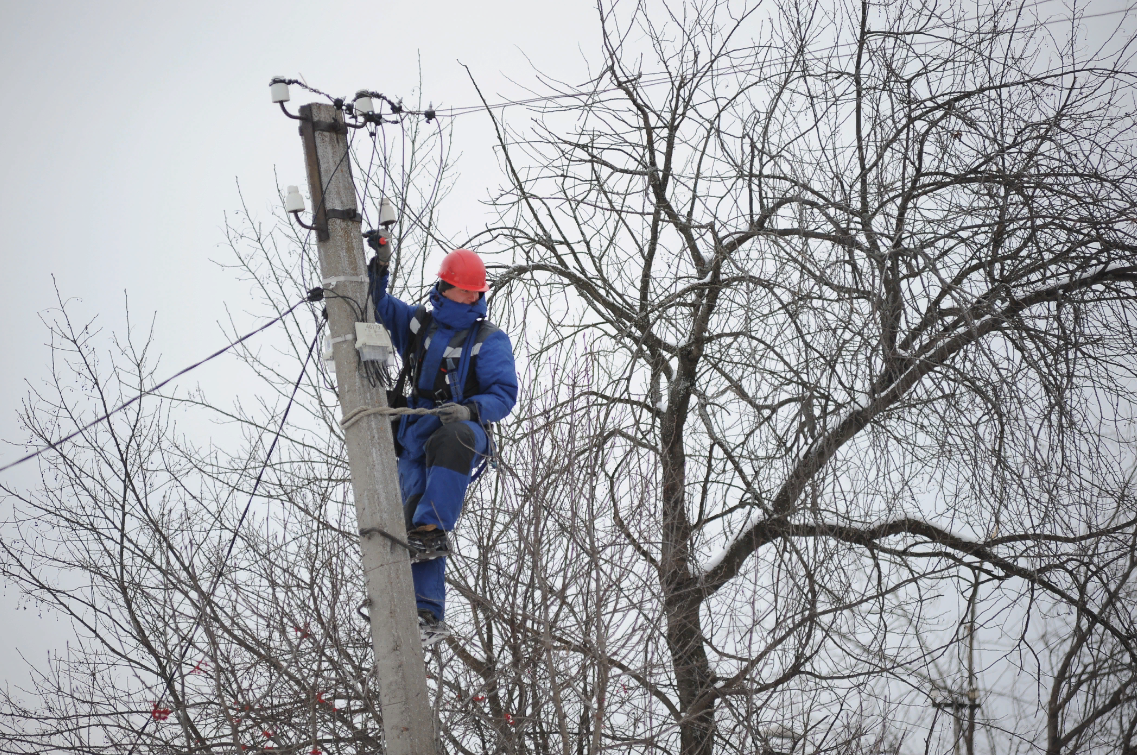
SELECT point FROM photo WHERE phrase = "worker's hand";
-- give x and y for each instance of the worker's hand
(380, 241)
(377, 268)
(453, 413)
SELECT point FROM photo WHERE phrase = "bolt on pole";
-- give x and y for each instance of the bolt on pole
(408, 722)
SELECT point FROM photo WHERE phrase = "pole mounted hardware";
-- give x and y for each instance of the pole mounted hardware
(387, 215)
(278, 88)
(363, 104)
(316, 180)
(404, 698)
(363, 109)
(294, 205)
(294, 202)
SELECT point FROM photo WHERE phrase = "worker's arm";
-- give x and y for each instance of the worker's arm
(497, 379)
(393, 313)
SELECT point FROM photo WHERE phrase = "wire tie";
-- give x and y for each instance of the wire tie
(331, 282)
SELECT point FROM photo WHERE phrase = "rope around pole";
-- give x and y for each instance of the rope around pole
(386, 411)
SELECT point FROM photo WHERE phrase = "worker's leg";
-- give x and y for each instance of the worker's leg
(412, 484)
(450, 455)
(429, 584)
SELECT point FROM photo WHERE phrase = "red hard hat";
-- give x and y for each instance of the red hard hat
(464, 269)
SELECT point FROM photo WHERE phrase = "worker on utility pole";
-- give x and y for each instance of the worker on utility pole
(460, 365)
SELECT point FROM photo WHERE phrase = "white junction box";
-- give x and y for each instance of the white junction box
(372, 341)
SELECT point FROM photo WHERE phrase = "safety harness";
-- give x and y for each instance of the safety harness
(456, 376)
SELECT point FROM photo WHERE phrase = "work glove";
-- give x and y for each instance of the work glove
(453, 413)
(376, 268)
(380, 241)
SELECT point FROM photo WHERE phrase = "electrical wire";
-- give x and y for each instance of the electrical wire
(431, 113)
(313, 90)
(323, 198)
(268, 456)
(367, 178)
(441, 163)
(406, 211)
(54, 444)
(237, 530)
(663, 78)
(359, 312)
(386, 164)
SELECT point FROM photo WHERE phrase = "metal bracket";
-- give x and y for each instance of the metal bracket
(308, 129)
(335, 127)
(397, 541)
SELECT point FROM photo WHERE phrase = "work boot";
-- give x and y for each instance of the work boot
(430, 629)
(428, 545)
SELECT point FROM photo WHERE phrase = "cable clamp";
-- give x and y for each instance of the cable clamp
(344, 215)
(341, 339)
(331, 282)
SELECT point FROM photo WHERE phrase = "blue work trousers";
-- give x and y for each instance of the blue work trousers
(433, 486)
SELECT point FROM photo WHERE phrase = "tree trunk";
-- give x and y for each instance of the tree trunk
(682, 592)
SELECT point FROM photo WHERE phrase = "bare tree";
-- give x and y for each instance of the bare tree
(863, 277)
(825, 322)
(211, 574)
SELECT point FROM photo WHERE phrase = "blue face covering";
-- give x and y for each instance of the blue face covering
(451, 317)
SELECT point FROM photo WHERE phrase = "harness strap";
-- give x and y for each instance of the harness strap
(464, 362)
(420, 319)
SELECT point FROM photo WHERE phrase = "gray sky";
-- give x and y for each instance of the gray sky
(128, 124)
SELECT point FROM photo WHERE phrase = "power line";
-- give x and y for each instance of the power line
(54, 444)
(241, 521)
(663, 78)
(432, 113)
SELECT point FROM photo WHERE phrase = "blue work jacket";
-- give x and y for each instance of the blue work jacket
(491, 363)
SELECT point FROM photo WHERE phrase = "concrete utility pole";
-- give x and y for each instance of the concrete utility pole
(408, 722)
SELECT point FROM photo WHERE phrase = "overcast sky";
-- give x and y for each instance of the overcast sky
(128, 124)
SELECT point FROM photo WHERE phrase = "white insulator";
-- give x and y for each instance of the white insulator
(279, 92)
(363, 103)
(386, 212)
(293, 201)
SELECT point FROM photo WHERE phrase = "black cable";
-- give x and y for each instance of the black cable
(315, 212)
(660, 78)
(359, 311)
(268, 456)
(406, 211)
(313, 90)
(52, 445)
(441, 161)
(367, 182)
(241, 521)
(386, 165)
